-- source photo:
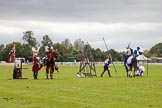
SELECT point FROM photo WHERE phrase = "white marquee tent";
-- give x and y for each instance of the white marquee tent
(142, 58)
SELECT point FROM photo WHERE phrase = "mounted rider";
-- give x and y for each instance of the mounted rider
(133, 62)
(48, 49)
(50, 63)
(128, 53)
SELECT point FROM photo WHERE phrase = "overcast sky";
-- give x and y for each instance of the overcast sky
(118, 21)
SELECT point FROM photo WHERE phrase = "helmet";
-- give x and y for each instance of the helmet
(139, 50)
(135, 52)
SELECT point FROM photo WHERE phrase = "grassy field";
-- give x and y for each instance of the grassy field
(68, 91)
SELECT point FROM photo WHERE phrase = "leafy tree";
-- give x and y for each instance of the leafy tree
(67, 46)
(28, 37)
(98, 54)
(21, 50)
(146, 53)
(8, 49)
(156, 50)
(45, 40)
(1, 47)
(1, 51)
(78, 44)
(75, 52)
(25, 51)
(115, 55)
(41, 51)
(60, 48)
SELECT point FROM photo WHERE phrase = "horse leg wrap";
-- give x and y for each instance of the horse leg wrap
(51, 75)
(46, 75)
(130, 73)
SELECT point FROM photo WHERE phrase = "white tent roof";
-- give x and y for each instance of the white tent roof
(142, 58)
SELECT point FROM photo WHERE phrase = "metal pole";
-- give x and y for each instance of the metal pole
(105, 44)
(108, 51)
(147, 63)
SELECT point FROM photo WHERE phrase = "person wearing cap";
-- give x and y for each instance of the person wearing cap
(106, 65)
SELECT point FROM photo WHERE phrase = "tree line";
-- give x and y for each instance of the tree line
(65, 48)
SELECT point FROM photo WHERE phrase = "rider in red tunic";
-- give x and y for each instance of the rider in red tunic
(48, 50)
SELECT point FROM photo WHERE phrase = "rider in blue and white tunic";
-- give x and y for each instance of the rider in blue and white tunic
(133, 62)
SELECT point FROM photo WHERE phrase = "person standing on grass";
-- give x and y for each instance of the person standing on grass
(35, 67)
(106, 65)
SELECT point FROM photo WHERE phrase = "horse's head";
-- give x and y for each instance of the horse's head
(134, 63)
(54, 54)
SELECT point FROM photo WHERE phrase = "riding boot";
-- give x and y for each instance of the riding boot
(127, 74)
(130, 73)
(109, 73)
(36, 74)
(126, 70)
(51, 75)
(141, 73)
(46, 76)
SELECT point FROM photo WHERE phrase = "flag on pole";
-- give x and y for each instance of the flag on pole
(11, 55)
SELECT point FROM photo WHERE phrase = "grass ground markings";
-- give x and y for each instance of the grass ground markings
(66, 90)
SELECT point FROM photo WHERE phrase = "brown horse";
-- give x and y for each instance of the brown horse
(131, 64)
(50, 63)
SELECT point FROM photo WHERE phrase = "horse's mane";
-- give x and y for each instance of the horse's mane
(54, 54)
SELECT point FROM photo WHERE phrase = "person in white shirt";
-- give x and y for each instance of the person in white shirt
(106, 65)
(48, 49)
(140, 71)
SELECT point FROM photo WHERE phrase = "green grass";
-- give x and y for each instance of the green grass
(68, 91)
